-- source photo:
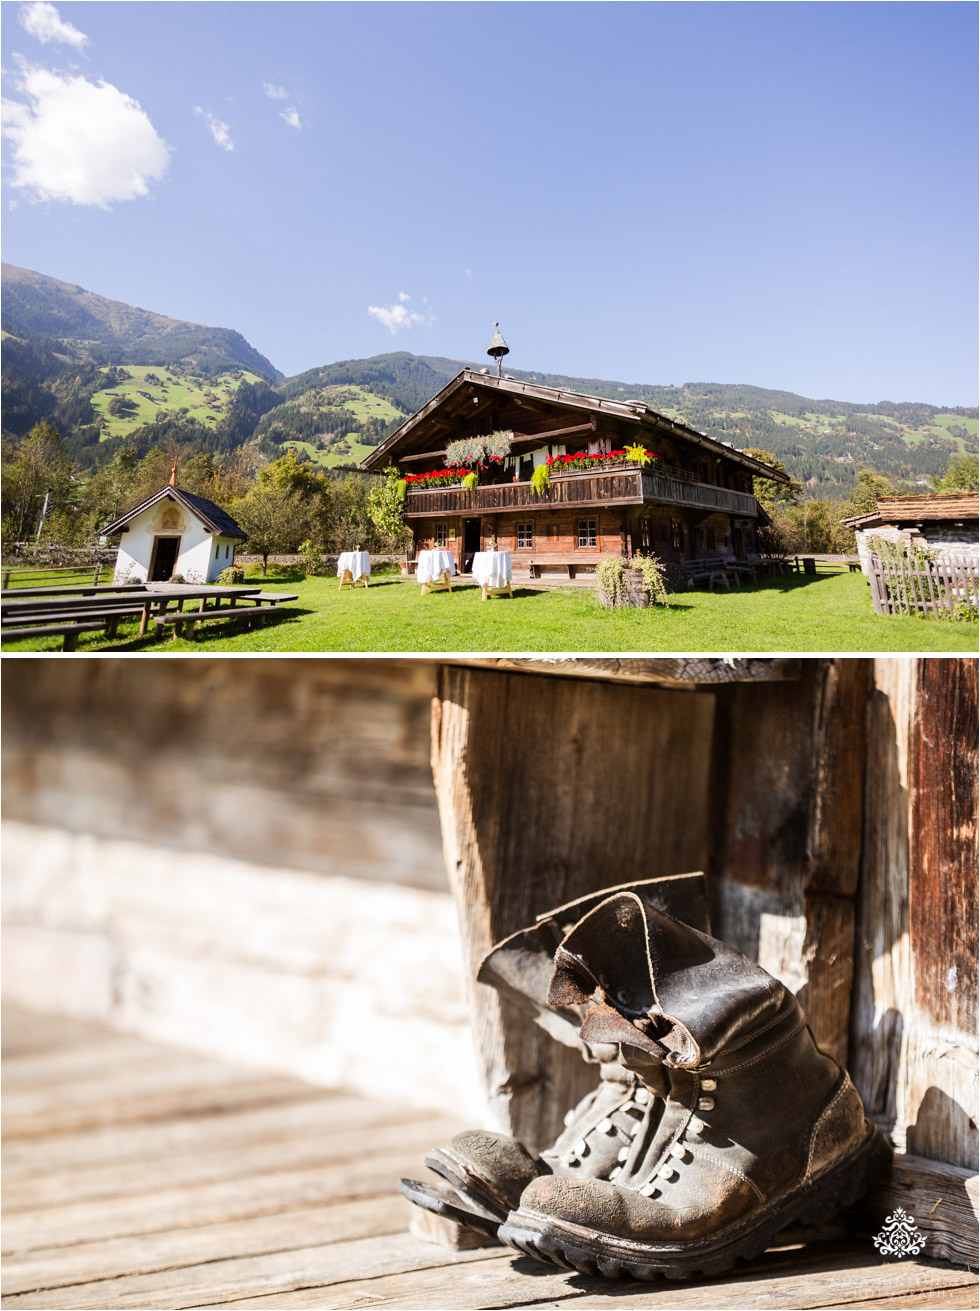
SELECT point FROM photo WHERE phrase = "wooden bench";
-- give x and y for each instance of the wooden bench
(102, 615)
(68, 631)
(571, 563)
(184, 621)
(711, 567)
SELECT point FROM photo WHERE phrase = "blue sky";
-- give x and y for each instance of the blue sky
(777, 194)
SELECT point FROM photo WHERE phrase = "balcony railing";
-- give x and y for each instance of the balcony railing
(618, 486)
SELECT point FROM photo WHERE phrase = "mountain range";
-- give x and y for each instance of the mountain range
(108, 373)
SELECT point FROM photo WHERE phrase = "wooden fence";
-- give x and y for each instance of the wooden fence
(943, 589)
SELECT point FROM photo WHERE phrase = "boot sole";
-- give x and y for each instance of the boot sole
(576, 1247)
(476, 1191)
(446, 1203)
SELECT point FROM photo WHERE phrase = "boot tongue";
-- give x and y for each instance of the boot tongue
(645, 965)
(521, 966)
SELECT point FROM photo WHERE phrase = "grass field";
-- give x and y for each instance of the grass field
(173, 392)
(827, 612)
(331, 459)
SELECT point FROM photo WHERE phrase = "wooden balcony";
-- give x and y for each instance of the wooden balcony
(622, 485)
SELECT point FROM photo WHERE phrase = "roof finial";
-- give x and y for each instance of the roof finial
(173, 473)
(498, 347)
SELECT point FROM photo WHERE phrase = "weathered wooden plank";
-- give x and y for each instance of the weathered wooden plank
(190, 1264)
(915, 1000)
(528, 823)
(26, 1033)
(223, 1129)
(960, 1298)
(335, 1142)
(190, 1091)
(643, 669)
(944, 1201)
(213, 1203)
(788, 796)
(941, 1054)
(270, 1275)
(86, 1061)
(801, 1278)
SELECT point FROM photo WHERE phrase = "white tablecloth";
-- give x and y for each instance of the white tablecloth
(492, 568)
(358, 562)
(433, 564)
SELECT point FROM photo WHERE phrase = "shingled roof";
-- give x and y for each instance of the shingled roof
(647, 420)
(212, 516)
(918, 509)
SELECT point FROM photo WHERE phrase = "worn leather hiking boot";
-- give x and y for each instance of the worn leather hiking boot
(759, 1128)
(487, 1172)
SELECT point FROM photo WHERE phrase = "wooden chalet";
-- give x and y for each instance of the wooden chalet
(693, 498)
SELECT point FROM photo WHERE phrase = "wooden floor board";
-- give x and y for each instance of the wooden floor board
(136, 1176)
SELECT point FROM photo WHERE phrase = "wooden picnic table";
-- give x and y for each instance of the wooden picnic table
(71, 589)
(152, 599)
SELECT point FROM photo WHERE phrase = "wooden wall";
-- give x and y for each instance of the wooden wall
(914, 1018)
(314, 764)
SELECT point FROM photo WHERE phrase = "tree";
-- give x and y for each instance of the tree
(771, 494)
(863, 498)
(273, 518)
(35, 466)
(385, 504)
(961, 475)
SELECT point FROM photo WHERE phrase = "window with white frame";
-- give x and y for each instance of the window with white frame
(524, 536)
(441, 535)
(587, 532)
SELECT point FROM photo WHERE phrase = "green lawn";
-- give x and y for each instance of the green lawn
(828, 612)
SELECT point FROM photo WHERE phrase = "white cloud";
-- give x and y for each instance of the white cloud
(81, 141)
(220, 131)
(397, 316)
(467, 273)
(42, 20)
(275, 92)
(291, 117)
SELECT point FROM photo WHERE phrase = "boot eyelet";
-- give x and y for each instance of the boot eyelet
(614, 1174)
(569, 1117)
(650, 1190)
(623, 1154)
(679, 1151)
(667, 1172)
(709, 1085)
(623, 997)
(706, 1104)
(642, 1096)
(695, 1125)
(567, 1161)
(582, 1148)
(606, 1126)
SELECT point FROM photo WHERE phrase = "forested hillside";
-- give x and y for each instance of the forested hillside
(109, 376)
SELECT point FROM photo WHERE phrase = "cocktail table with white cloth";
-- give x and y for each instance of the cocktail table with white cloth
(434, 570)
(492, 571)
(353, 567)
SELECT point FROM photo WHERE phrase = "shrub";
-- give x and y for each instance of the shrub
(541, 479)
(312, 553)
(638, 582)
(232, 576)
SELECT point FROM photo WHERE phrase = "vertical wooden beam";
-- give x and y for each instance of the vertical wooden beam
(549, 789)
(788, 782)
(914, 1024)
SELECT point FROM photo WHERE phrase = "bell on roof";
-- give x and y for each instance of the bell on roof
(498, 348)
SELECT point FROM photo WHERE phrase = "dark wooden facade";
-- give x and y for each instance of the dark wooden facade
(694, 498)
